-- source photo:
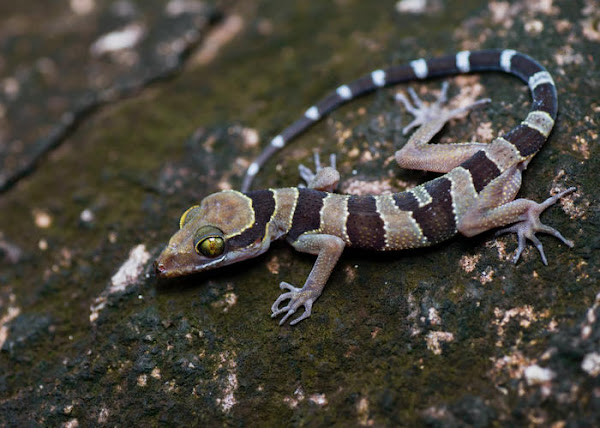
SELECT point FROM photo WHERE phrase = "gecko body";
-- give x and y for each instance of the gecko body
(476, 193)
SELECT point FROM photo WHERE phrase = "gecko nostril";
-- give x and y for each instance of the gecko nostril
(160, 268)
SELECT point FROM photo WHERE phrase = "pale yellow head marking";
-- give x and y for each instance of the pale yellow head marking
(230, 209)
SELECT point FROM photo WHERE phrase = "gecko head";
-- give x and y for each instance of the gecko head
(212, 234)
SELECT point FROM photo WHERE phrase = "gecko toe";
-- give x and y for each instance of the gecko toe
(297, 297)
(531, 224)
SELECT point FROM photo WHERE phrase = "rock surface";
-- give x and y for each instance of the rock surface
(454, 335)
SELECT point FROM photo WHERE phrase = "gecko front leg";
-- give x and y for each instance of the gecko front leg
(324, 178)
(328, 249)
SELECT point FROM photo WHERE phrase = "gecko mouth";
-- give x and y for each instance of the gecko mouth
(168, 267)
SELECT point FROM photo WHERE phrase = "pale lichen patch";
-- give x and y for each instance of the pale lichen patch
(540, 376)
(513, 364)
(228, 300)
(362, 412)
(42, 218)
(415, 7)
(574, 210)
(487, 275)
(129, 271)
(180, 7)
(535, 375)
(216, 39)
(413, 315)
(566, 55)
(525, 315)
(591, 28)
(318, 399)
(142, 380)
(484, 132)
(361, 187)
(590, 319)
(534, 27)
(127, 275)
(155, 373)
(250, 137)
(273, 265)
(501, 247)
(125, 38)
(295, 399)
(103, 415)
(469, 263)
(71, 423)
(433, 316)
(12, 312)
(435, 339)
(581, 146)
(470, 90)
(518, 366)
(591, 364)
(230, 383)
(82, 7)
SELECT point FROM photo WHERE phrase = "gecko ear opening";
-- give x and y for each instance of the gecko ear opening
(209, 242)
(187, 215)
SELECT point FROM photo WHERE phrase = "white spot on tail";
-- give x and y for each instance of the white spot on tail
(312, 113)
(540, 121)
(278, 141)
(462, 61)
(419, 66)
(344, 92)
(253, 169)
(378, 77)
(540, 78)
(506, 59)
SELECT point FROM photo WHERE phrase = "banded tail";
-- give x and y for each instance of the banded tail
(528, 137)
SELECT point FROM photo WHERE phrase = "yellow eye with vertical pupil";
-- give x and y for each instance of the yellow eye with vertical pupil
(211, 247)
(209, 242)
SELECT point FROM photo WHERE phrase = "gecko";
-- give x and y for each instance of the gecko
(476, 192)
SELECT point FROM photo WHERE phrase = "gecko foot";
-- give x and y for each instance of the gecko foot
(324, 178)
(423, 114)
(527, 228)
(297, 297)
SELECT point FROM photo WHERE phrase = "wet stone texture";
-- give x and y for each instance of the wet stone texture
(61, 61)
(454, 335)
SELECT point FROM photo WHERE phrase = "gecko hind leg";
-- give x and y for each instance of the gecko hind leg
(424, 114)
(324, 178)
(531, 224)
(417, 153)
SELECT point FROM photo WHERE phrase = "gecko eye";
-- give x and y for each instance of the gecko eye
(209, 242)
(185, 217)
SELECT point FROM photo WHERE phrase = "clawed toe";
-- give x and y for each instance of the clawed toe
(306, 174)
(527, 228)
(296, 298)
